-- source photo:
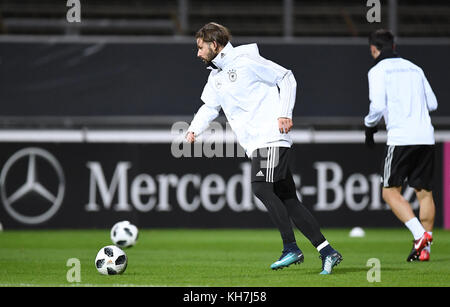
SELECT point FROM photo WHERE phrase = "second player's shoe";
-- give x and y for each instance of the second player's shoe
(287, 258)
(424, 255)
(418, 246)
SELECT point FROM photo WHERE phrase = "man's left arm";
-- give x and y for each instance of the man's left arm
(288, 91)
(276, 75)
(377, 97)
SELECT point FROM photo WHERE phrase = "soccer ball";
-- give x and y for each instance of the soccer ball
(124, 234)
(111, 260)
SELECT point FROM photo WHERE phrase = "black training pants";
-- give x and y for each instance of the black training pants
(283, 206)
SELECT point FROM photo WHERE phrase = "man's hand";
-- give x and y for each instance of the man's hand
(284, 124)
(190, 137)
(370, 131)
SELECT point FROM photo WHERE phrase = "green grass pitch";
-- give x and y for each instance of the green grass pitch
(218, 258)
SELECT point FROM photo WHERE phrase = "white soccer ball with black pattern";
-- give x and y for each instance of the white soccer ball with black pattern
(124, 234)
(111, 260)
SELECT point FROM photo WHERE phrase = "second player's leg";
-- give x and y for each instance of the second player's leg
(403, 211)
(399, 205)
(427, 208)
(426, 214)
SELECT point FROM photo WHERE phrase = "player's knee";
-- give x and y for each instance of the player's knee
(423, 192)
(389, 194)
(386, 195)
(285, 189)
(424, 196)
(285, 194)
(259, 189)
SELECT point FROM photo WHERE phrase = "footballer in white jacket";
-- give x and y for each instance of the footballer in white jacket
(253, 93)
(257, 97)
(400, 92)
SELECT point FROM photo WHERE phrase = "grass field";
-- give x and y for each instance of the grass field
(218, 258)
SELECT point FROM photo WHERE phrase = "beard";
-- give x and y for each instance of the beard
(209, 56)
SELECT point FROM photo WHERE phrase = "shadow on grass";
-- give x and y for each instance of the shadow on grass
(364, 269)
(438, 260)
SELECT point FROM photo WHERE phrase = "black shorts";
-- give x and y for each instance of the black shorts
(412, 163)
(270, 164)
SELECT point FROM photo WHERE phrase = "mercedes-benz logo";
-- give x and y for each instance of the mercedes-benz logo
(32, 184)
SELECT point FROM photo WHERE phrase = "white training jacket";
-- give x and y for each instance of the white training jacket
(399, 91)
(253, 92)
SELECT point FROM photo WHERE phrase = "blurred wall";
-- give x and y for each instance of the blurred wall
(147, 79)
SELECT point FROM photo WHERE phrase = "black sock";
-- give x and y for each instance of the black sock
(326, 250)
(291, 246)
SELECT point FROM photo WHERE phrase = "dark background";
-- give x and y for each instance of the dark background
(125, 79)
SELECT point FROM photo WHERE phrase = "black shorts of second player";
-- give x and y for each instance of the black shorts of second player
(411, 163)
(270, 164)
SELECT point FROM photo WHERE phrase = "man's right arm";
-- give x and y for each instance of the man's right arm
(206, 114)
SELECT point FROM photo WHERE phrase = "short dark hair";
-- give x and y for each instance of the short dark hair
(214, 32)
(382, 39)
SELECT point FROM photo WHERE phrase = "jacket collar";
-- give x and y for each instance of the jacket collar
(223, 58)
(385, 54)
